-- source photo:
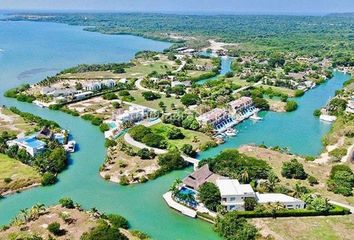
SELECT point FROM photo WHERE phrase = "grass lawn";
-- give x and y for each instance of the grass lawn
(139, 99)
(287, 91)
(315, 228)
(163, 128)
(20, 174)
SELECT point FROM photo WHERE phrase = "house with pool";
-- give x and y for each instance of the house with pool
(30, 144)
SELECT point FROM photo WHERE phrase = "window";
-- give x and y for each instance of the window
(232, 199)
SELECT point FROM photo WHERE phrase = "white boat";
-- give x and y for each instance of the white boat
(39, 104)
(231, 132)
(255, 117)
(328, 118)
(70, 147)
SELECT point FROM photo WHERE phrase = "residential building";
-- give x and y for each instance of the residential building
(239, 105)
(287, 201)
(214, 117)
(82, 95)
(199, 177)
(30, 143)
(133, 114)
(178, 83)
(233, 194)
(94, 86)
(110, 83)
(350, 107)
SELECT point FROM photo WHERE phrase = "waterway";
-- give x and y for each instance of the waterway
(32, 51)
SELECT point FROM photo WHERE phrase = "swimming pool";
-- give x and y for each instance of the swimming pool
(112, 125)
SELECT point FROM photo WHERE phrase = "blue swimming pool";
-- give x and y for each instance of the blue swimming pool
(186, 191)
(112, 125)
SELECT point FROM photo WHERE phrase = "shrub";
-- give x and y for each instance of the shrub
(338, 153)
(299, 93)
(55, 229)
(261, 103)
(139, 132)
(118, 221)
(103, 231)
(145, 153)
(250, 203)
(67, 203)
(110, 96)
(317, 113)
(48, 178)
(104, 127)
(140, 235)
(175, 133)
(190, 99)
(110, 143)
(7, 180)
(290, 106)
(124, 181)
(312, 180)
(188, 150)
(150, 96)
(293, 169)
(209, 194)
(232, 227)
(171, 160)
(154, 140)
(341, 180)
(124, 93)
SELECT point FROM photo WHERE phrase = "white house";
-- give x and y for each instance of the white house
(110, 83)
(95, 86)
(82, 95)
(30, 143)
(133, 114)
(184, 83)
(287, 201)
(233, 196)
(233, 193)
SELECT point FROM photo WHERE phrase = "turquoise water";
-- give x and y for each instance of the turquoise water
(35, 50)
(300, 131)
(225, 67)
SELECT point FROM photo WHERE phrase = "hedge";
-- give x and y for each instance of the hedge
(293, 213)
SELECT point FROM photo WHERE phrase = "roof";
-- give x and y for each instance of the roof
(211, 115)
(45, 132)
(233, 187)
(240, 102)
(198, 177)
(31, 142)
(275, 197)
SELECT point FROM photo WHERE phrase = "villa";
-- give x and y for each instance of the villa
(31, 144)
(83, 95)
(215, 117)
(233, 196)
(97, 86)
(242, 108)
(178, 83)
(133, 114)
(350, 107)
(233, 193)
(57, 92)
(199, 177)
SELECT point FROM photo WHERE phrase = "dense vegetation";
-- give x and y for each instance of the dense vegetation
(293, 169)
(341, 180)
(235, 165)
(330, 36)
(209, 195)
(232, 227)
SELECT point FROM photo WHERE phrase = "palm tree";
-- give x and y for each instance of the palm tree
(271, 182)
(175, 186)
(244, 177)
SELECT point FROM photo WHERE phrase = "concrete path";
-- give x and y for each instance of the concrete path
(179, 207)
(247, 87)
(140, 145)
(351, 208)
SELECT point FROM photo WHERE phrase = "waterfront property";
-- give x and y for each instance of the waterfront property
(199, 177)
(233, 193)
(242, 108)
(288, 201)
(30, 144)
(218, 118)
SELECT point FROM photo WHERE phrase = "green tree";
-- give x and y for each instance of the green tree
(293, 169)
(232, 227)
(291, 106)
(190, 99)
(209, 194)
(103, 231)
(118, 221)
(250, 203)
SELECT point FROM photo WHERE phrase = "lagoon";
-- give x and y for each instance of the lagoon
(31, 51)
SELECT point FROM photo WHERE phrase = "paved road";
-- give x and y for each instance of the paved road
(140, 145)
(247, 87)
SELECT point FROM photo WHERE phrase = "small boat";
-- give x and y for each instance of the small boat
(70, 147)
(231, 132)
(255, 117)
(328, 118)
(39, 104)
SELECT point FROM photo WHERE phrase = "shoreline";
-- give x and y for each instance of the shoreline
(12, 192)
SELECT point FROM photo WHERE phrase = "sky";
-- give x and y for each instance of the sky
(186, 6)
